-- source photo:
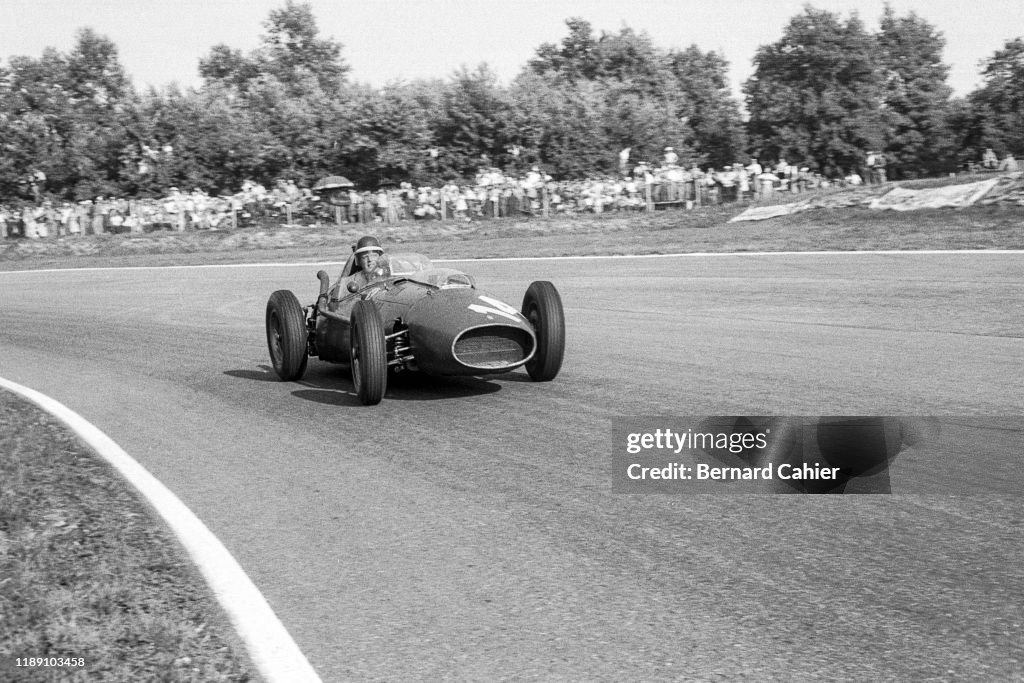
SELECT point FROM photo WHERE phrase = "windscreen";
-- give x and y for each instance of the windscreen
(406, 264)
(418, 267)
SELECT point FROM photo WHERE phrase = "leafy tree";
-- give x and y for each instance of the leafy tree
(574, 59)
(64, 115)
(917, 98)
(816, 95)
(292, 47)
(998, 105)
(650, 97)
(207, 138)
(101, 94)
(95, 76)
(713, 113)
(393, 130)
(561, 125)
(227, 66)
(291, 51)
(473, 129)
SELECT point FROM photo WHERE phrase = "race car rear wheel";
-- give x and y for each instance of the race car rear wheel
(368, 353)
(286, 335)
(542, 306)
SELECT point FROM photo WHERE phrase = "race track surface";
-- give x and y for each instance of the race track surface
(466, 528)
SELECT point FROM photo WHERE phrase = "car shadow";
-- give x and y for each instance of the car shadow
(264, 374)
(332, 385)
(417, 387)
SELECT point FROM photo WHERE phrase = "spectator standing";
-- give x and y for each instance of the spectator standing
(532, 185)
(726, 179)
(116, 220)
(767, 182)
(37, 181)
(632, 193)
(782, 172)
(382, 205)
(989, 160)
(869, 166)
(675, 177)
(742, 181)
(97, 216)
(68, 222)
(35, 222)
(350, 211)
(803, 178)
(394, 207)
(461, 205)
(754, 172)
(880, 163)
(624, 161)
(710, 183)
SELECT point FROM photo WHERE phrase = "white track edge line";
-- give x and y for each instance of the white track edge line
(273, 651)
(884, 252)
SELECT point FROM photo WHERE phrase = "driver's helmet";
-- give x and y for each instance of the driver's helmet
(365, 244)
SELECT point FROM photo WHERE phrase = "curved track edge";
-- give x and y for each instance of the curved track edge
(273, 651)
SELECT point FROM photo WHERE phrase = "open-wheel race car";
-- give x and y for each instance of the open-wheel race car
(412, 316)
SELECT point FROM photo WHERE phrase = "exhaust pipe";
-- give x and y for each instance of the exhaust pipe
(325, 286)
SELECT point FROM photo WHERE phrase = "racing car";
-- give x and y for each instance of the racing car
(414, 317)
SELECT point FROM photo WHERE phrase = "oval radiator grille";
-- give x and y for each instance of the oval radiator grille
(493, 347)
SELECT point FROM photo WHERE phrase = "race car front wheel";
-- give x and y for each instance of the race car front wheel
(286, 335)
(368, 353)
(542, 306)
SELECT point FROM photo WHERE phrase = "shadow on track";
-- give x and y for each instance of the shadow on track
(265, 374)
(333, 386)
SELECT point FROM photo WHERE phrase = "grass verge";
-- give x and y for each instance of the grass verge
(86, 573)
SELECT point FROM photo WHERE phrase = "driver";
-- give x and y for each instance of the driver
(370, 264)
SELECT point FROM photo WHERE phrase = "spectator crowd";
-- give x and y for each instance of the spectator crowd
(491, 194)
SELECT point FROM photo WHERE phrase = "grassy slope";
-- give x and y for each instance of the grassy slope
(85, 572)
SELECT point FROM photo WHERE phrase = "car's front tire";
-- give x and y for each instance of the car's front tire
(286, 335)
(368, 353)
(542, 306)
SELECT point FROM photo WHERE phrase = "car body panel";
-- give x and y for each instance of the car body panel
(435, 319)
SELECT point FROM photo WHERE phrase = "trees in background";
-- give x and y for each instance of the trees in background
(916, 111)
(829, 91)
(816, 96)
(719, 133)
(994, 113)
(64, 116)
(629, 93)
(471, 124)
(291, 51)
(822, 95)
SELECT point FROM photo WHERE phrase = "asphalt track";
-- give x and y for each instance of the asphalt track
(466, 529)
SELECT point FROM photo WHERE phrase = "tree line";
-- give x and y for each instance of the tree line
(822, 95)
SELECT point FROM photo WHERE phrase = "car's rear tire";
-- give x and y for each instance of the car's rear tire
(286, 335)
(368, 353)
(542, 306)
